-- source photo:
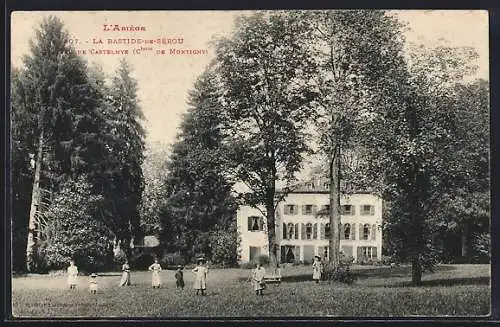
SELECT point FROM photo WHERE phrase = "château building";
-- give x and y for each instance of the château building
(302, 226)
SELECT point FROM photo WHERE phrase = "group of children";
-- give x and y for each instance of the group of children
(200, 271)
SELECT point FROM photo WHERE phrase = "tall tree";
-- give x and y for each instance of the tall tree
(411, 138)
(123, 170)
(155, 192)
(198, 189)
(54, 96)
(354, 51)
(264, 71)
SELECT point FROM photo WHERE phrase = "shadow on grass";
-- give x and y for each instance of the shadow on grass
(387, 272)
(483, 280)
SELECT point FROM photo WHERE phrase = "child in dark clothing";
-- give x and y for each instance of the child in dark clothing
(179, 278)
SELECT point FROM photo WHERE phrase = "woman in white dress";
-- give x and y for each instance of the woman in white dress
(155, 268)
(125, 281)
(258, 279)
(200, 279)
(317, 269)
(72, 274)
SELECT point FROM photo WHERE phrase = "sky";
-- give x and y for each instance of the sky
(165, 79)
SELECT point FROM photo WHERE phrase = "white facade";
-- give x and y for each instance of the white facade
(302, 227)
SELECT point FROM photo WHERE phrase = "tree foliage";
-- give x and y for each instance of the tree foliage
(75, 230)
(412, 138)
(198, 190)
(263, 70)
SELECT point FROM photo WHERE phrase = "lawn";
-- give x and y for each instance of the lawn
(453, 290)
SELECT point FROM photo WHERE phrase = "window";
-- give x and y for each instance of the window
(308, 209)
(309, 231)
(347, 210)
(309, 186)
(326, 208)
(367, 252)
(366, 231)
(254, 252)
(255, 223)
(291, 209)
(367, 210)
(326, 186)
(347, 231)
(290, 231)
(327, 230)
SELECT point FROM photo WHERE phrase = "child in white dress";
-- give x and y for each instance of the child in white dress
(258, 279)
(72, 274)
(93, 283)
(155, 268)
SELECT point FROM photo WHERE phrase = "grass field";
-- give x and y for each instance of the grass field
(454, 290)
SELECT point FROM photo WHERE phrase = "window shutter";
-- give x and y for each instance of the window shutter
(303, 232)
(342, 230)
(261, 223)
(322, 231)
(374, 252)
(284, 231)
(315, 231)
(374, 232)
(296, 230)
(353, 232)
(315, 209)
(353, 210)
(360, 232)
(303, 209)
(249, 223)
(295, 209)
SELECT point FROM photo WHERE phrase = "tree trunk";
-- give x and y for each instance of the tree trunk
(334, 241)
(464, 241)
(35, 201)
(271, 234)
(416, 271)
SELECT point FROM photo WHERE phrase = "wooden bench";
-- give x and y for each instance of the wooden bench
(274, 278)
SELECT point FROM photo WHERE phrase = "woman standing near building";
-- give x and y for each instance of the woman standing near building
(317, 268)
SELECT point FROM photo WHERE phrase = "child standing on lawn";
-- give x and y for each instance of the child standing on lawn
(317, 268)
(155, 268)
(93, 283)
(179, 278)
(200, 279)
(258, 279)
(72, 274)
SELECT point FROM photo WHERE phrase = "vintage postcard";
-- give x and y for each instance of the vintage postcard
(250, 164)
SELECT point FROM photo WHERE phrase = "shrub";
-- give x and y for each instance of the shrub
(341, 273)
(247, 265)
(76, 231)
(224, 245)
(263, 259)
(481, 248)
(172, 259)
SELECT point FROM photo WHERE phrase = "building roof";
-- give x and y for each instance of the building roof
(322, 185)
